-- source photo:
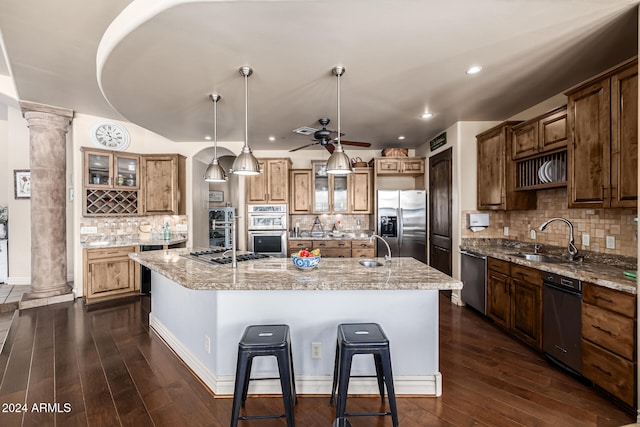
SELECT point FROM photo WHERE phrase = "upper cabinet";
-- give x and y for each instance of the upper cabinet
(111, 183)
(330, 192)
(407, 166)
(540, 135)
(497, 173)
(300, 187)
(163, 184)
(272, 184)
(361, 189)
(603, 140)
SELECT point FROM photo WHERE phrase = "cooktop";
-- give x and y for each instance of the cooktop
(209, 257)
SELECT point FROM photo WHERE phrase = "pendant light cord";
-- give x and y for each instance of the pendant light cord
(338, 108)
(246, 109)
(215, 129)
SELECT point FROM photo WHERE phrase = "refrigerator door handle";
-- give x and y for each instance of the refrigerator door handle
(400, 228)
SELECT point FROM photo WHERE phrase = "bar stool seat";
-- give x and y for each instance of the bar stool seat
(362, 338)
(257, 341)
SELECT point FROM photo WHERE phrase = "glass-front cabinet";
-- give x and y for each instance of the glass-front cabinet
(330, 192)
(111, 170)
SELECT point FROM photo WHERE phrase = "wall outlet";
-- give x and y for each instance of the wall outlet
(207, 344)
(533, 234)
(182, 228)
(316, 350)
(585, 239)
(611, 242)
(88, 230)
(505, 231)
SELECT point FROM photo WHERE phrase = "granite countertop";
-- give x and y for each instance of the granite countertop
(131, 241)
(602, 272)
(281, 274)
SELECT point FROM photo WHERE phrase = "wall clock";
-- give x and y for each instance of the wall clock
(109, 135)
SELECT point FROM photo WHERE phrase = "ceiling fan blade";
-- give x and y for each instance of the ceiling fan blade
(356, 143)
(304, 146)
(330, 147)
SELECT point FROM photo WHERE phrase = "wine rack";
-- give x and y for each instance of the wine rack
(547, 171)
(99, 202)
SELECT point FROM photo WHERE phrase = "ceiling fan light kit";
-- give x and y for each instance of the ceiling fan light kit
(338, 163)
(246, 163)
(214, 172)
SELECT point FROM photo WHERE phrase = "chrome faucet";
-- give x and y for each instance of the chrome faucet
(572, 251)
(387, 257)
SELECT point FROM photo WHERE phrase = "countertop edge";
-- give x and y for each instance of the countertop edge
(603, 275)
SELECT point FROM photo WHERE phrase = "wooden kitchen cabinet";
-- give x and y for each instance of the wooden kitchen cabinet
(363, 249)
(496, 174)
(609, 340)
(272, 184)
(335, 248)
(540, 135)
(300, 191)
(163, 184)
(109, 273)
(526, 300)
(407, 166)
(514, 300)
(111, 183)
(499, 292)
(361, 191)
(330, 193)
(603, 138)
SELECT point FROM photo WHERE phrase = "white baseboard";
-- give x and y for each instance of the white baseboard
(19, 280)
(426, 385)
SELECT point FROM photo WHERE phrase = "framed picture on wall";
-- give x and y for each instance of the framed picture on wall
(22, 183)
(216, 196)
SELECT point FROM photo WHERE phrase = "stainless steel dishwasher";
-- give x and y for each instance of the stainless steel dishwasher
(561, 321)
(474, 279)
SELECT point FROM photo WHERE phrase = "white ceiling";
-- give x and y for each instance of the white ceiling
(161, 58)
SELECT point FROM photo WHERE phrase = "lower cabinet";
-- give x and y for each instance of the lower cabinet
(608, 341)
(109, 273)
(514, 300)
(335, 248)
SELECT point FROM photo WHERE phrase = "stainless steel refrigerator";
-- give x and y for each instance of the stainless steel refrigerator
(402, 221)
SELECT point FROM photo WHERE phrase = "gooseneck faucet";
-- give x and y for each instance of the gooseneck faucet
(387, 257)
(572, 251)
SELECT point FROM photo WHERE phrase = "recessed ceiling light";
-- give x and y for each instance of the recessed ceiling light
(474, 70)
(401, 137)
(208, 138)
(426, 115)
(272, 138)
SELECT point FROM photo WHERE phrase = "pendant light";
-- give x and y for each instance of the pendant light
(214, 172)
(338, 163)
(246, 163)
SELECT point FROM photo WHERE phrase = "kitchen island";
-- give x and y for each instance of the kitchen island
(201, 310)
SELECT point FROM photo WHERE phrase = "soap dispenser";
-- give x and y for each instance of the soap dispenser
(167, 232)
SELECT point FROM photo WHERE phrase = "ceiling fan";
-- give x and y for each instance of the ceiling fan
(325, 137)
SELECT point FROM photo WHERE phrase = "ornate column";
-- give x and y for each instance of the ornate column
(47, 154)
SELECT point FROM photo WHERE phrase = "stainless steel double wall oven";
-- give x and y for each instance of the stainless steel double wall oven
(267, 229)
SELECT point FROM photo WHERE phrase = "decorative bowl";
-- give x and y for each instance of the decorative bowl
(305, 263)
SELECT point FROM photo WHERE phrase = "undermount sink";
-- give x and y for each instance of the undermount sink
(370, 263)
(538, 257)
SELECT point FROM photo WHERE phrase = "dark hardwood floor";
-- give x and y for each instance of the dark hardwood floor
(102, 367)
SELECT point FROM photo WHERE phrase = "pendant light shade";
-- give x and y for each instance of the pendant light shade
(214, 172)
(338, 163)
(246, 163)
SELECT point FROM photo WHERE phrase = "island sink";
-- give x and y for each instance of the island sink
(370, 263)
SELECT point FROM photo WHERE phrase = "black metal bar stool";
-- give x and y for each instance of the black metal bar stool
(264, 340)
(362, 338)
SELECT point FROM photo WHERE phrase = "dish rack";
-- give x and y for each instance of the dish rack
(546, 171)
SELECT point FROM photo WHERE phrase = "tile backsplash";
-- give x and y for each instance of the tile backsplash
(597, 223)
(113, 227)
(348, 222)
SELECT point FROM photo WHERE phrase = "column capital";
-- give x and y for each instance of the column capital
(46, 115)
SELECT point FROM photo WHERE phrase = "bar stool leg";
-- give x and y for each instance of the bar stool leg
(344, 372)
(285, 383)
(247, 378)
(238, 388)
(379, 374)
(293, 378)
(388, 378)
(336, 363)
